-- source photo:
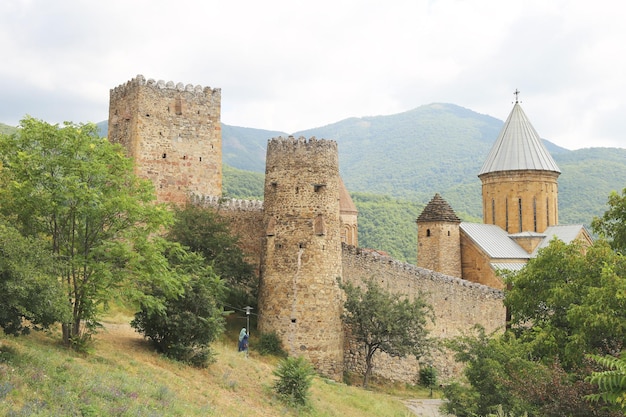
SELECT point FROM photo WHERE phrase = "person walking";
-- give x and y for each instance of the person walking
(243, 340)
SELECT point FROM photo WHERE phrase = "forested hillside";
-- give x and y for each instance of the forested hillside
(402, 160)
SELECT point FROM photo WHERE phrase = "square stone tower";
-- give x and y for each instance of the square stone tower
(173, 133)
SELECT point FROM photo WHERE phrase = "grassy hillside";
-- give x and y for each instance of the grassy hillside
(123, 376)
(6, 129)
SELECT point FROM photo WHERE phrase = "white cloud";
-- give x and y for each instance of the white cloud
(286, 65)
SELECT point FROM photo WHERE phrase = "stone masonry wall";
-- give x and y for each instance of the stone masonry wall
(173, 132)
(458, 306)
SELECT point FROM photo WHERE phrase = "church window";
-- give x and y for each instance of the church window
(535, 214)
(506, 219)
(318, 187)
(448, 233)
(547, 212)
(493, 211)
(519, 209)
(427, 232)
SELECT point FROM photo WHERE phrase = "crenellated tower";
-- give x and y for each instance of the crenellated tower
(299, 294)
(173, 133)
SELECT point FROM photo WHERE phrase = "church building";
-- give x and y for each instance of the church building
(520, 212)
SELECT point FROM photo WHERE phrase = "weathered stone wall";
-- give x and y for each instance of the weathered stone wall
(439, 247)
(173, 133)
(299, 296)
(537, 191)
(458, 306)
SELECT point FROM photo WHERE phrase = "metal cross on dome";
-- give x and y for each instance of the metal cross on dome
(516, 93)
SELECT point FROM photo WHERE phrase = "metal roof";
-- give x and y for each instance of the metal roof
(494, 241)
(567, 233)
(518, 147)
(509, 266)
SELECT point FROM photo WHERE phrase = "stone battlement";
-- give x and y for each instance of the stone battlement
(226, 203)
(390, 264)
(140, 80)
(291, 143)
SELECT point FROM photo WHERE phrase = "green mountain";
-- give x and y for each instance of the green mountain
(6, 129)
(440, 148)
(394, 164)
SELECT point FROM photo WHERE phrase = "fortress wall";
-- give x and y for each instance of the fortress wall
(245, 220)
(458, 306)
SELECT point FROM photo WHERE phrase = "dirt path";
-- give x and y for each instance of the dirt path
(425, 408)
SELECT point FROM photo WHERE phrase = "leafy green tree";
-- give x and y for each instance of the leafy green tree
(611, 382)
(504, 376)
(386, 322)
(191, 321)
(489, 361)
(570, 301)
(612, 225)
(78, 193)
(31, 296)
(202, 230)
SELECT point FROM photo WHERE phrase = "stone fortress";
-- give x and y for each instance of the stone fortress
(303, 236)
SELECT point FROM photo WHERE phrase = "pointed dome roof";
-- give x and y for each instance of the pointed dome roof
(346, 205)
(518, 147)
(438, 210)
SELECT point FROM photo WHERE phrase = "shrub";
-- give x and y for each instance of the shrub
(270, 344)
(428, 376)
(295, 376)
(189, 323)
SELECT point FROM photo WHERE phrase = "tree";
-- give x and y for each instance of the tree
(390, 323)
(191, 321)
(612, 225)
(202, 230)
(504, 374)
(78, 193)
(31, 296)
(570, 301)
(611, 382)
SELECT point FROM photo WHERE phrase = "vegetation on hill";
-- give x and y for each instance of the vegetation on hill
(410, 156)
(6, 129)
(124, 376)
(566, 309)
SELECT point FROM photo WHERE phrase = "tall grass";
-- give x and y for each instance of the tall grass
(123, 376)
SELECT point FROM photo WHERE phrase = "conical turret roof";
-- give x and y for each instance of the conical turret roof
(518, 147)
(438, 210)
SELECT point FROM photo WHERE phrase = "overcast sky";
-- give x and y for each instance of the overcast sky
(295, 65)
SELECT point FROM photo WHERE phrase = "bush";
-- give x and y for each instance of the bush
(428, 376)
(188, 324)
(270, 344)
(295, 376)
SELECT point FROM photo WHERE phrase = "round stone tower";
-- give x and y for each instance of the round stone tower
(299, 294)
(439, 238)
